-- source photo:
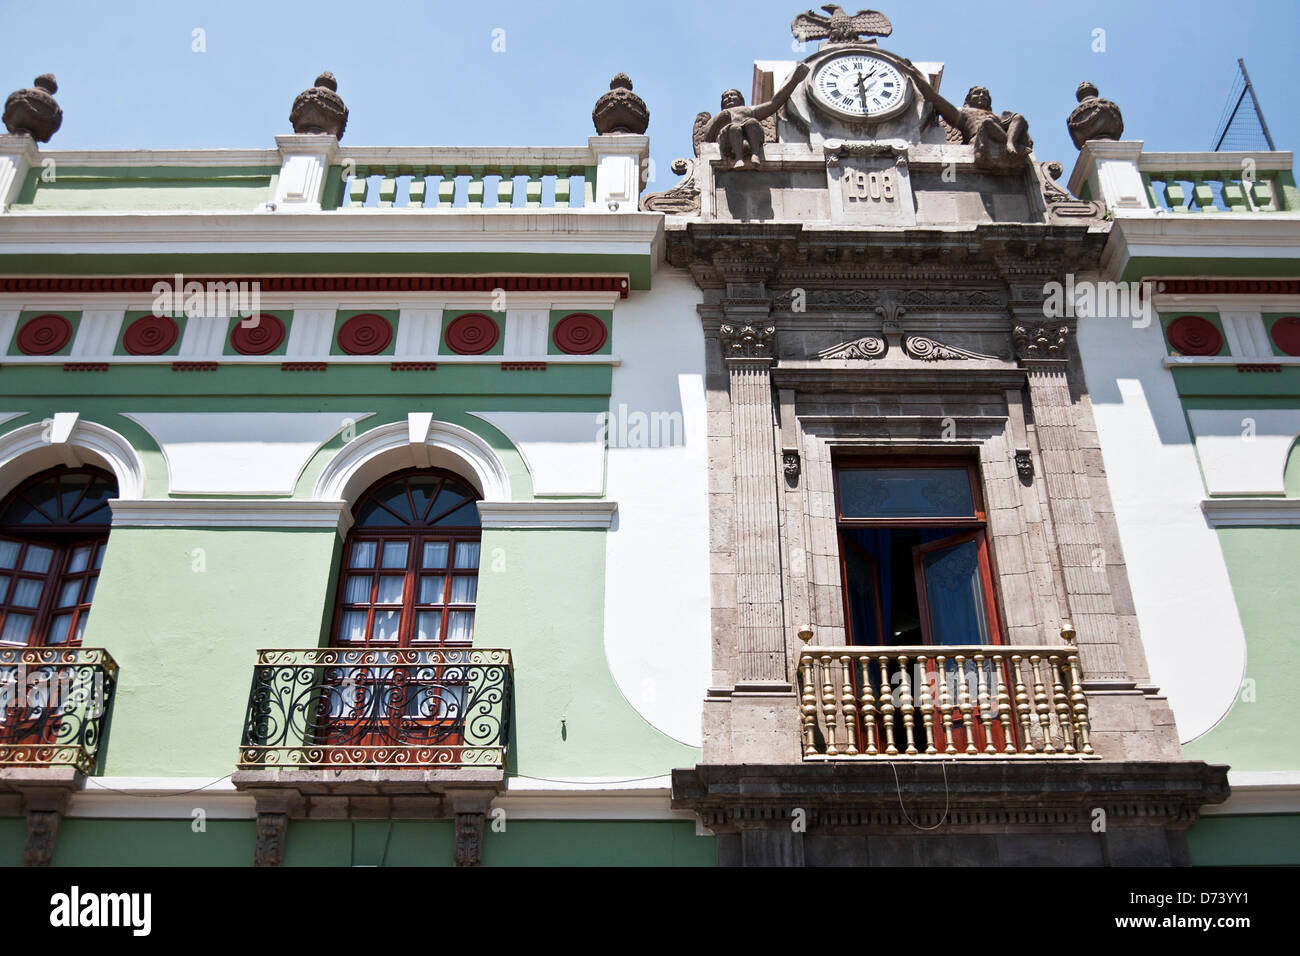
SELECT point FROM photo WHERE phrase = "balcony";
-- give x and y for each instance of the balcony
(367, 708)
(52, 706)
(934, 702)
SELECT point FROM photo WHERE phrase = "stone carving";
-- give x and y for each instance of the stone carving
(620, 110)
(839, 27)
(917, 298)
(1001, 141)
(684, 198)
(34, 111)
(1024, 465)
(42, 831)
(889, 306)
(867, 347)
(738, 129)
(272, 829)
(469, 839)
(835, 149)
(1041, 341)
(747, 341)
(790, 464)
(1093, 118)
(928, 350)
(1061, 206)
(320, 109)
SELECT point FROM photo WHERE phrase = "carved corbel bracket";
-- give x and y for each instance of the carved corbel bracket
(1040, 342)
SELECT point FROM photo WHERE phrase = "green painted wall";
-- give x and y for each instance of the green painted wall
(542, 594)
(1262, 566)
(182, 611)
(103, 842)
(1263, 840)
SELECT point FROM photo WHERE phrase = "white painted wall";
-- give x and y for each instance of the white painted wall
(657, 637)
(561, 449)
(1186, 610)
(1243, 451)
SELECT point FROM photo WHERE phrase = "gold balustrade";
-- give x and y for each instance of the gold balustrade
(970, 700)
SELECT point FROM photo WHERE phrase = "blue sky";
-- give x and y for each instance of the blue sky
(425, 73)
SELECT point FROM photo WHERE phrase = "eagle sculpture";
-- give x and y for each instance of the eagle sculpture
(839, 27)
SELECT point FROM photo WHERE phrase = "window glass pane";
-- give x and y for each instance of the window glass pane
(44, 498)
(27, 592)
(99, 554)
(955, 596)
(431, 586)
(79, 559)
(435, 554)
(451, 495)
(4, 587)
(394, 498)
(37, 558)
(460, 626)
(92, 510)
(463, 589)
(464, 516)
(390, 589)
(357, 590)
(905, 493)
(354, 626)
(428, 625)
(82, 618)
(467, 554)
(70, 488)
(9, 553)
(363, 554)
(59, 629)
(68, 593)
(394, 554)
(386, 625)
(16, 629)
(422, 492)
(90, 590)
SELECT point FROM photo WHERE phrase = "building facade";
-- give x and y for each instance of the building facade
(468, 506)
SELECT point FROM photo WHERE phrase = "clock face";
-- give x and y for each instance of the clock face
(860, 86)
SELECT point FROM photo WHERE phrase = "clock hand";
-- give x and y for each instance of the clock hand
(862, 90)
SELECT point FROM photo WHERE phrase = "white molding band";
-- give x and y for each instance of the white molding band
(1259, 791)
(229, 513)
(1241, 512)
(547, 514)
(35, 447)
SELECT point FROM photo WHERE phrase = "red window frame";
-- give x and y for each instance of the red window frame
(966, 528)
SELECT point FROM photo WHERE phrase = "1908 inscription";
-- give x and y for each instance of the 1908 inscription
(875, 187)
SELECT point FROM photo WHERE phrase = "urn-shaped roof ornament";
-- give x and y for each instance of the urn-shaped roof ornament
(620, 110)
(33, 111)
(320, 109)
(1093, 118)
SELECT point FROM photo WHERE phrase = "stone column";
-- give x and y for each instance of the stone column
(747, 351)
(1042, 347)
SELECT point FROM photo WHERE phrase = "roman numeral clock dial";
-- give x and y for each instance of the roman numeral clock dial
(860, 86)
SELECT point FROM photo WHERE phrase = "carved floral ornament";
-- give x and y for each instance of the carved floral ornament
(747, 342)
(1041, 341)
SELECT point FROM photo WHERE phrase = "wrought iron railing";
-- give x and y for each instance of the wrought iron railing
(52, 705)
(373, 707)
(935, 701)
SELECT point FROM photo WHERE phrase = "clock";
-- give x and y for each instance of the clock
(860, 86)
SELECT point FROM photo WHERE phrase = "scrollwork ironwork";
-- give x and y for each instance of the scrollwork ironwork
(52, 705)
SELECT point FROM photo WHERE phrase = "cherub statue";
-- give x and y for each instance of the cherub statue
(1001, 142)
(738, 128)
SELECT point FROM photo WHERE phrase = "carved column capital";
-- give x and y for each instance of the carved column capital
(752, 343)
(1041, 341)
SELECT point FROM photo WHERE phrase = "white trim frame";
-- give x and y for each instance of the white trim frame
(35, 447)
(229, 513)
(548, 514)
(1245, 512)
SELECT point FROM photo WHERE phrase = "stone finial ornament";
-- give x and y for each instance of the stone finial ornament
(620, 110)
(33, 111)
(1093, 118)
(320, 109)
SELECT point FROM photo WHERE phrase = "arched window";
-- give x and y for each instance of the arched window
(410, 564)
(53, 531)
